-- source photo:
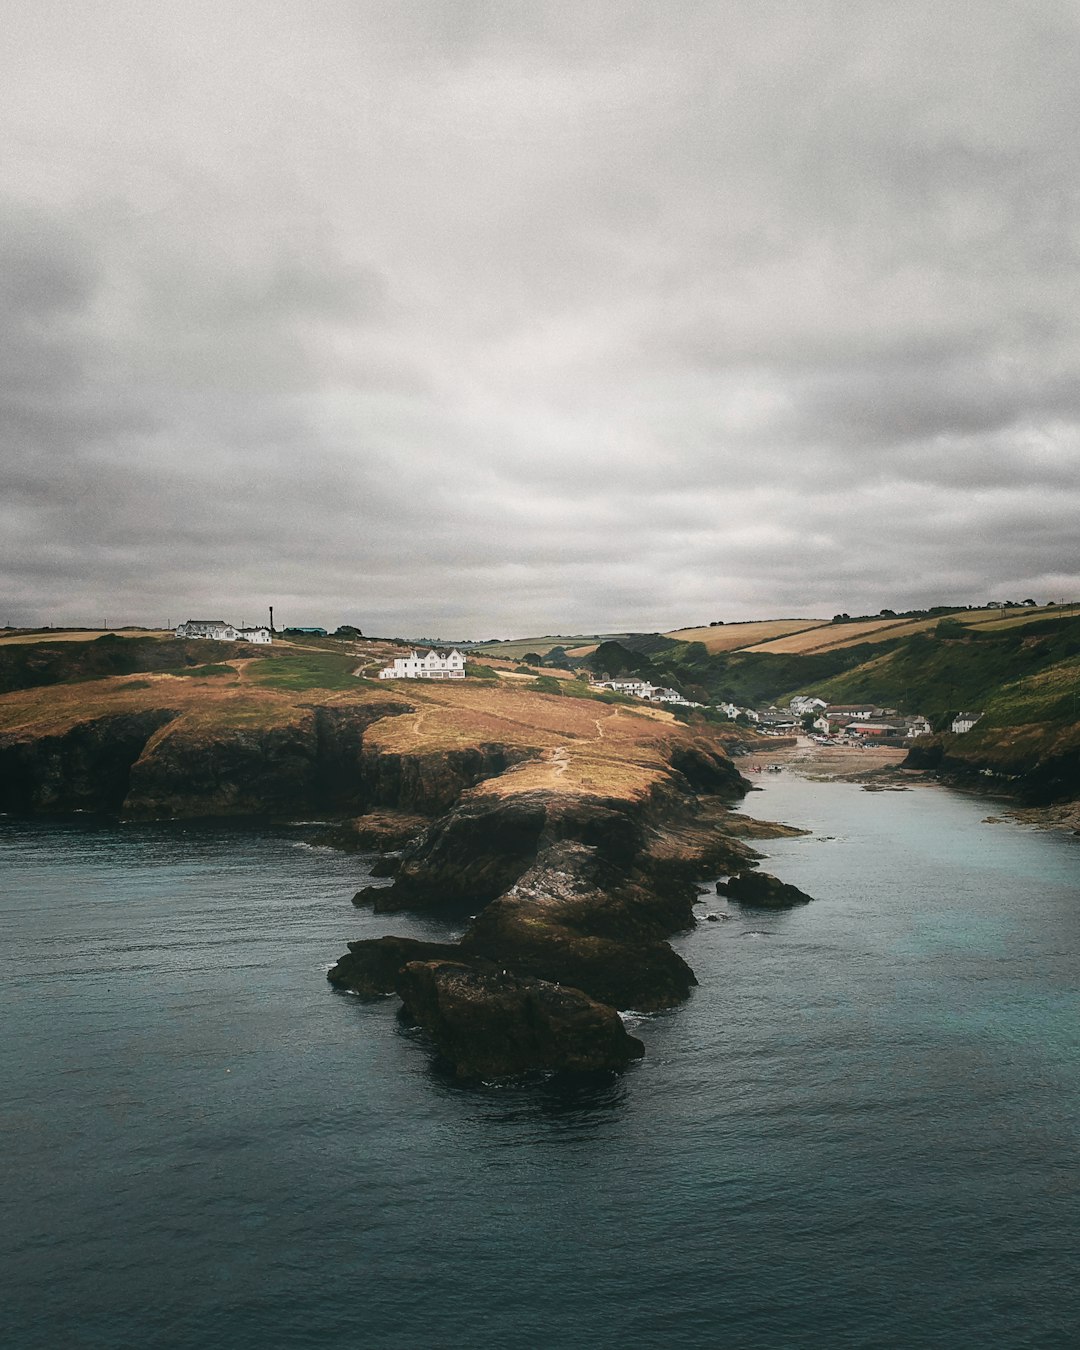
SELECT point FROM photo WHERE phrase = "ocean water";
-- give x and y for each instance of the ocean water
(860, 1132)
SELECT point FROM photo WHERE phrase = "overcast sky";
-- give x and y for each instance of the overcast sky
(495, 317)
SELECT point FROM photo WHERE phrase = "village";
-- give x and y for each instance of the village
(826, 723)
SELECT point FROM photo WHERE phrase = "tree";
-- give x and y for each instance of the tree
(531, 659)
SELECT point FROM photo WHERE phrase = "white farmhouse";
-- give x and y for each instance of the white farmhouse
(636, 688)
(964, 721)
(431, 665)
(220, 631)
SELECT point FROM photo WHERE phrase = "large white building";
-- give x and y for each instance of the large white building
(431, 665)
(220, 631)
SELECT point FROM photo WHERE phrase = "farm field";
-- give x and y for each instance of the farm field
(833, 637)
(733, 637)
(515, 648)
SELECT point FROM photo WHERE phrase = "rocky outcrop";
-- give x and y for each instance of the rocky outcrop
(566, 892)
(575, 919)
(372, 967)
(759, 890)
(487, 1022)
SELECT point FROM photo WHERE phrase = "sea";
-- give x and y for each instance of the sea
(861, 1130)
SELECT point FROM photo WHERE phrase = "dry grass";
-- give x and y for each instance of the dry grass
(572, 745)
(731, 637)
(83, 635)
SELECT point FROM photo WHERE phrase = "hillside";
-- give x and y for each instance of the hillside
(571, 830)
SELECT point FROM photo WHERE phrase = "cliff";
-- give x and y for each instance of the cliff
(572, 831)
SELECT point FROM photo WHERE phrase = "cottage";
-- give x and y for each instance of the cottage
(636, 688)
(433, 665)
(845, 712)
(917, 726)
(872, 730)
(964, 721)
(218, 630)
(776, 722)
(802, 704)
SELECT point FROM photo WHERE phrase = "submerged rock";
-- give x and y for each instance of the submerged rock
(489, 1023)
(759, 890)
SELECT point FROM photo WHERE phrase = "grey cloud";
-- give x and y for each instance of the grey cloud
(508, 316)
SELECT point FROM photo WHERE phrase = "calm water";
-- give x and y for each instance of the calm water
(861, 1131)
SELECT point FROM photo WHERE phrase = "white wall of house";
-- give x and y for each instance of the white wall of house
(429, 666)
(219, 631)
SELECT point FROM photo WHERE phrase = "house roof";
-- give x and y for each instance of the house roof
(210, 623)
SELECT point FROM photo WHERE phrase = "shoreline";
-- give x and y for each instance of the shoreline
(879, 769)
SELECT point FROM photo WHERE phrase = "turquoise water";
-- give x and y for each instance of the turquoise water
(860, 1132)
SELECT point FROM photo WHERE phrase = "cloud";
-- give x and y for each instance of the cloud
(490, 318)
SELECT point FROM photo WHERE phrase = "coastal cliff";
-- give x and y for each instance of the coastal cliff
(568, 832)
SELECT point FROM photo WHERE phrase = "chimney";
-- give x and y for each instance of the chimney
(271, 618)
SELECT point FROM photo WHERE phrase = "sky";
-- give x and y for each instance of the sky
(477, 318)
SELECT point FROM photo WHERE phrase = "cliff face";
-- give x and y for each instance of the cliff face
(86, 767)
(570, 831)
(1036, 764)
(576, 892)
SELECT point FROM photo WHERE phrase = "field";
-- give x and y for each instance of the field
(514, 649)
(571, 741)
(78, 635)
(730, 637)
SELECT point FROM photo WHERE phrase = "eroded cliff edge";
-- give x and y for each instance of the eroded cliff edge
(573, 832)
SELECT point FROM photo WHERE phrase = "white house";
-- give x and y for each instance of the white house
(846, 711)
(802, 703)
(918, 726)
(431, 665)
(636, 688)
(964, 721)
(220, 631)
(671, 696)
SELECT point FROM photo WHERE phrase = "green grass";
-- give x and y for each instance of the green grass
(306, 668)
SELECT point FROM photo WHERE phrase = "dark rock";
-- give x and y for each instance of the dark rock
(367, 895)
(759, 890)
(573, 919)
(386, 866)
(487, 1023)
(372, 966)
(89, 767)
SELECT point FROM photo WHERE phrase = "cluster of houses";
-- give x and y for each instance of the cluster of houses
(220, 631)
(433, 665)
(636, 687)
(858, 721)
(864, 722)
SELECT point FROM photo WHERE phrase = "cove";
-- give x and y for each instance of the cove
(860, 1131)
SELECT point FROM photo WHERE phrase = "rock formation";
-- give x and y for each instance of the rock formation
(759, 890)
